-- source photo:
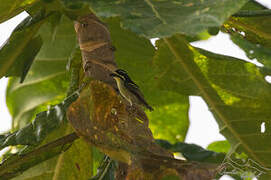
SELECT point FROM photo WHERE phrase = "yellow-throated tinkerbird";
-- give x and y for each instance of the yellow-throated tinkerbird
(128, 89)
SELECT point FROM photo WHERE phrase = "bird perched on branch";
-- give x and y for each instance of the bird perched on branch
(128, 89)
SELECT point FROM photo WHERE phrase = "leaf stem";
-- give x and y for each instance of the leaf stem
(252, 13)
(105, 169)
(10, 167)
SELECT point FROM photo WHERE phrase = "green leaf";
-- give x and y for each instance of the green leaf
(70, 164)
(136, 56)
(97, 159)
(246, 98)
(44, 123)
(196, 153)
(9, 8)
(252, 50)
(239, 83)
(219, 146)
(193, 152)
(235, 91)
(75, 163)
(47, 80)
(170, 121)
(20, 67)
(47, 127)
(171, 76)
(18, 53)
(252, 34)
(151, 18)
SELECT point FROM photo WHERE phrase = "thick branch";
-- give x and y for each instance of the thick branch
(101, 118)
(96, 48)
(125, 139)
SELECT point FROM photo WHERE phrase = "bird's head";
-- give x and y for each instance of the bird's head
(119, 74)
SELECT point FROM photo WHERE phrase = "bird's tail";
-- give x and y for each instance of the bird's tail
(148, 107)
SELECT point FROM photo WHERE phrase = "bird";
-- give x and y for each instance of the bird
(128, 89)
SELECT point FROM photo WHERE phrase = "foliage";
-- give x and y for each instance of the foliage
(42, 52)
(185, 17)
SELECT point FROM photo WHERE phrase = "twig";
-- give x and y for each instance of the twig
(103, 168)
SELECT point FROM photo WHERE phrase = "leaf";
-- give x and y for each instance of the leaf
(44, 123)
(171, 76)
(18, 53)
(242, 82)
(33, 48)
(9, 8)
(47, 82)
(45, 128)
(247, 97)
(235, 91)
(253, 51)
(47, 79)
(193, 152)
(137, 58)
(71, 164)
(67, 165)
(219, 146)
(152, 19)
(167, 116)
(252, 34)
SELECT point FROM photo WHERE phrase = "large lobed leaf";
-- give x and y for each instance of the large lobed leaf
(235, 91)
(152, 18)
(47, 79)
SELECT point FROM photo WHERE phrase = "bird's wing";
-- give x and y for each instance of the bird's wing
(132, 84)
(132, 87)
